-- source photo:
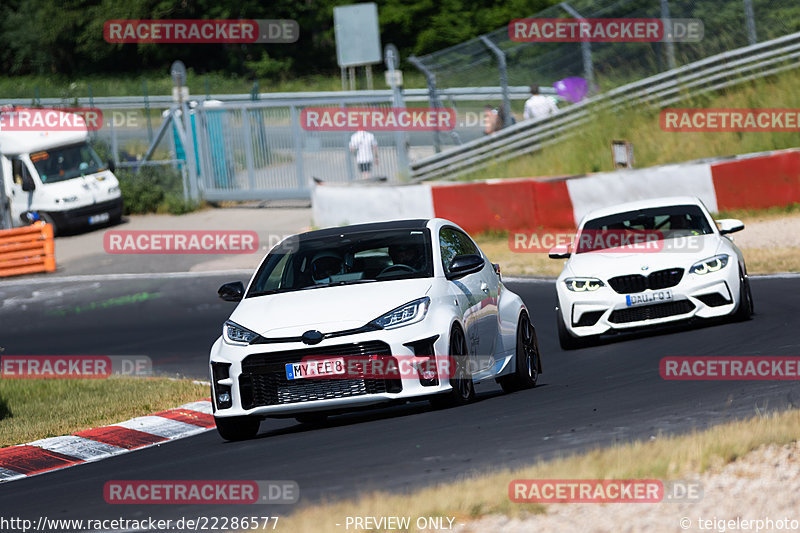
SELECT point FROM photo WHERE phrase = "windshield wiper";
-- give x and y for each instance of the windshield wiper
(338, 283)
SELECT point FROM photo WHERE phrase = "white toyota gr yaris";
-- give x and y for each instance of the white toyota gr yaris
(648, 263)
(342, 318)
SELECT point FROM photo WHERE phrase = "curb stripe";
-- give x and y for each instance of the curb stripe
(188, 417)
(128, 439)
(80, 447)
(28, 460)
(54, 453)
(156, 425)
(8, 475)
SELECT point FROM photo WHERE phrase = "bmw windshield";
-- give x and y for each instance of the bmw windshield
(652, 224)
(309, 262)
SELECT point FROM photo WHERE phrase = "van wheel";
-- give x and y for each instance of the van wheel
(47, 218)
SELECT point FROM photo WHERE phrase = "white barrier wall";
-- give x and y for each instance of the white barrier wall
(605, 189)
(334, 205)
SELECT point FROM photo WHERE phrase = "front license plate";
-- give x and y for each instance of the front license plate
(98, 219)
(632, 300)
(315, 369)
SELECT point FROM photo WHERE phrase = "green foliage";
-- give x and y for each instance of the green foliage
(153, 190)
(5, 410)
(53, 37)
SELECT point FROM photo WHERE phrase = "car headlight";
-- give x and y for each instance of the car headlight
(712, 264)
(113, 189)
(583, 284)
(234, 333)
(410, 313)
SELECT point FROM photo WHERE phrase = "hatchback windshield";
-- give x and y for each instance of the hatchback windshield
(66, 162)
(344, 259)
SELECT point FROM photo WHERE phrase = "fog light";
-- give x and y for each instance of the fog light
(224, 397)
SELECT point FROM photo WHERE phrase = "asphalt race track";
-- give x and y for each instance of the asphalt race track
(594, 396)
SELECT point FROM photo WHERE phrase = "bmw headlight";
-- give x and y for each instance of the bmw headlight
(712, 264)
(410, 313)
(583, 284)
(234, 333)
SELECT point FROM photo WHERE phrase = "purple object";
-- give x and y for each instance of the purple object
(572, 89)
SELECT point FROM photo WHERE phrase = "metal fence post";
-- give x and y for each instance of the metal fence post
(750, 21)
(433, 99)
(501, 66)
(147, 111)
(248, 148)
(392, 57)
(188, 149)
(665, 20)
(586, 48)
(297, 139)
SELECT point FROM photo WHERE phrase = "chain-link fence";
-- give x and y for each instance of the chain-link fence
(728, 24)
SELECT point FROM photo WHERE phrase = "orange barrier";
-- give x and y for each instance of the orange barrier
(27, 250)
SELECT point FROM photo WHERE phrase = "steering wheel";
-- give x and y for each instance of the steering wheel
(390, 268)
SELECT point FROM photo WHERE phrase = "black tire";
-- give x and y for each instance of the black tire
(312, 419)
(237, 427)
(463, 390)
(746, 307)
(565, 339)
(528, 362)
(47, 218)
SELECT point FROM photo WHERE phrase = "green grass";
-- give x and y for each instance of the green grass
(673, 457)
(589, 148)
(32, 409)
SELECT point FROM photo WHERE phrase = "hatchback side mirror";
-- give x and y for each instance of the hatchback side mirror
(232, 292)
(465, 264)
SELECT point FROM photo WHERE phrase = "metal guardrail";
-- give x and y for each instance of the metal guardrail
(709, 74)
(355, 97)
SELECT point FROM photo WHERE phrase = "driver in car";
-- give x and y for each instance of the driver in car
(406, 254)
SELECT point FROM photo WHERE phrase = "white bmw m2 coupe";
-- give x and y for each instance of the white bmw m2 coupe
(648, 263)
(347, 317)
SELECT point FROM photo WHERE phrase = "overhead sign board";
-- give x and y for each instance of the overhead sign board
(358, 40)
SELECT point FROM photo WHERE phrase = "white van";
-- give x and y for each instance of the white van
(58, 175)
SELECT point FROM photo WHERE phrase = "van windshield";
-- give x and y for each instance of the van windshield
(66, 162)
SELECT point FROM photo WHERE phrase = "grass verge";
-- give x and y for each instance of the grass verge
(589, 148)
(480, 495)
(33, 409)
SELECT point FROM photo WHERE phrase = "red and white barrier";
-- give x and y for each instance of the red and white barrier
(750, 181)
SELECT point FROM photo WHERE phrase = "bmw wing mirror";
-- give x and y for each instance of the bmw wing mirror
(729, 225)
(559, 252)
(232, 292)
(462, 265)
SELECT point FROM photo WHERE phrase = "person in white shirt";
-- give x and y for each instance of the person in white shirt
(364, 145)
(538, 105)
